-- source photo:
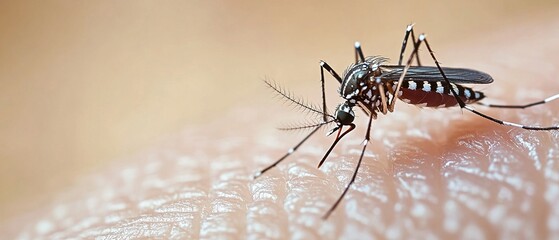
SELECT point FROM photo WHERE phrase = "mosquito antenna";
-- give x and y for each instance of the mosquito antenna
(295, 101)
(305, 126)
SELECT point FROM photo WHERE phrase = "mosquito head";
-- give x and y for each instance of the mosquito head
(344, 114)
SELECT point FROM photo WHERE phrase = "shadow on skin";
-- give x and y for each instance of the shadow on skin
(428, 173)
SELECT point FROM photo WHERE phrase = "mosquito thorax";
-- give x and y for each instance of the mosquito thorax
(362, 83)
(356, 77)
(344, 114)
(359, 79)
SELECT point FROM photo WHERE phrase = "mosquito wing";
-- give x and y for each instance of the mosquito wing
(432, 74)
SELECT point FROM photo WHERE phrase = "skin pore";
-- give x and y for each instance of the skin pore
(426, 173)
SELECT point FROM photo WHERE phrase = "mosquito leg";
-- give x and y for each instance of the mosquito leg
(324, 110)
(536, 128)
(469, 108)
(325, 116)
(365, 142)
(382, 98)
(409, 30)
(405, 43)
(401, 80)
(417, 54)
(289, 152)
(549, 99)
(358, 53)
(325, 65)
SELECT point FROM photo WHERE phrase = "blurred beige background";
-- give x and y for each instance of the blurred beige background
(84, 83)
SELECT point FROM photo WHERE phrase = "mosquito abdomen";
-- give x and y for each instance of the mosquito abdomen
(436, 94)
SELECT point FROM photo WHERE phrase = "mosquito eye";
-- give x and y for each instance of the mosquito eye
(344, 118)
(344, 114)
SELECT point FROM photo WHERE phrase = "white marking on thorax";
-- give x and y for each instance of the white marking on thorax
(369, 94)
(353, 94)
(348, 77)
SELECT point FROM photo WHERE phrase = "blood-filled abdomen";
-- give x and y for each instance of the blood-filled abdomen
(436, 94)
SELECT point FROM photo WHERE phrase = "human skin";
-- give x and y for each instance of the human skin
(440, 174)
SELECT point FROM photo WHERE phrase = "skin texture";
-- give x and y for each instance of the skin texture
(435, 174)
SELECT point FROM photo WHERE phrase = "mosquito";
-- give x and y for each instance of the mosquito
(374, 86)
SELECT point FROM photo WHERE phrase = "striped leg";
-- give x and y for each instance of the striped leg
(338, 138)
(471, 109)
(325, 65)
(289, 152)
(325, 115)
(365, 142)
(549, 99)
(401, 80)
(409, 30)
(358, 53)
